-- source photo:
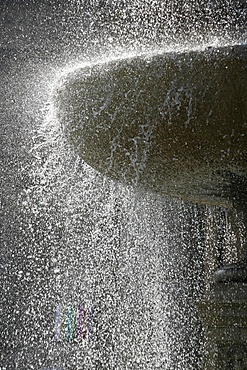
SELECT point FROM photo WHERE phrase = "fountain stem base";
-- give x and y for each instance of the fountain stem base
(235, 273)
(224, 315)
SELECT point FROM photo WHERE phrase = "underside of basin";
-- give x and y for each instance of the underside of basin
(171, 123)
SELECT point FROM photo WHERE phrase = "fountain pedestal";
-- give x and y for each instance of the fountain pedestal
(224, 315)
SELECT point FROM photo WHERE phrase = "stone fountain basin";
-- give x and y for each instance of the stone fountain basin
(171, 123)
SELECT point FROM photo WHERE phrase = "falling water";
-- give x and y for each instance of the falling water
(132, 263)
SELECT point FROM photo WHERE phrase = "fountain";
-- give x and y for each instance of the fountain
(96, 198)
(173, 123)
